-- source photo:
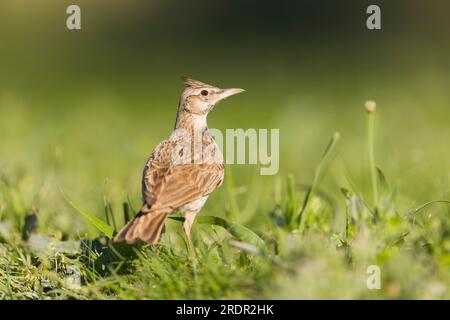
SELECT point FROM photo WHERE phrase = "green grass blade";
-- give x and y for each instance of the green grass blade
(317, 175)
(382, 180)
(373, 169)
(411, 213)
(99, 224)
(238, 231)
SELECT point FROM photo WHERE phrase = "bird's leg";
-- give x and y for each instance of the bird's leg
(189, 218)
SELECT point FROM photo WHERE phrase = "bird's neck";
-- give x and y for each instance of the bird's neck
(191, 121)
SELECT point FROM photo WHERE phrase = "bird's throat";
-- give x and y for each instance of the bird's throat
(191, 121)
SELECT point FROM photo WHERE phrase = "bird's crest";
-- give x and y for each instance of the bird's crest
(194, 83)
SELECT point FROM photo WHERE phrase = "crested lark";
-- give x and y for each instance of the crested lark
(182, 170)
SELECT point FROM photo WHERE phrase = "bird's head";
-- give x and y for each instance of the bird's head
(199, 98)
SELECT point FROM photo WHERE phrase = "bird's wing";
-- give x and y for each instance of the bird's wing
(184, 183)
(156, 169)
(166, 184)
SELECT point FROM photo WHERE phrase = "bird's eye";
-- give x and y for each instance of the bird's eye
(204, 92)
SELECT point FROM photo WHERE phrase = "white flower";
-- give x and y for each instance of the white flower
(370, 106)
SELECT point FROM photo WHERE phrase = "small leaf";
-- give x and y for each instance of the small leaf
(347, 194)
(99, 224)
(398, 240)
(240, 232)
(382, 179)
(411, 213)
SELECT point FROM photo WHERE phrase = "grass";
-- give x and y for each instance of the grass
(81, 111)
(299, 249)
(311, 231)
(371, 107)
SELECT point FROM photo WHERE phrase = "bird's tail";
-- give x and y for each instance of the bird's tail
(148, 225)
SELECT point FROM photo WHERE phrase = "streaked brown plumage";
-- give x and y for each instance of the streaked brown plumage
(179, 176)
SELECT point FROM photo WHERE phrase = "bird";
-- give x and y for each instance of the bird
(183, 169)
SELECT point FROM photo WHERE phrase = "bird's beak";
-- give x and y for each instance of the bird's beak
(228, 93)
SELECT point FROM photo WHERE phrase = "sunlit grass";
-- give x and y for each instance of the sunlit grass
(320, 220)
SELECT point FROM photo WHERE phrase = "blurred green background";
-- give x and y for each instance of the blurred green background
(82, 110)
(92, 104)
